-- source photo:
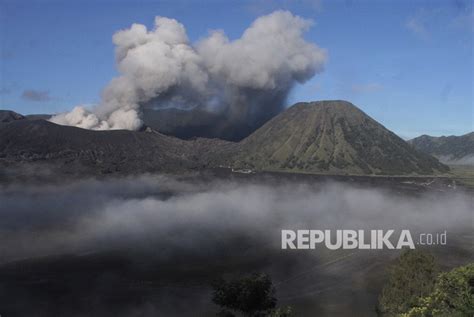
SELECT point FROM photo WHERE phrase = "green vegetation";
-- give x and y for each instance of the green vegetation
(453, 296)
(416, 289)
(252, 296)
(411, 277)
(463, 174)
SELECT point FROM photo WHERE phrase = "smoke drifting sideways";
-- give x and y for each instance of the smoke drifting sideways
(176, 217)
(245, 81)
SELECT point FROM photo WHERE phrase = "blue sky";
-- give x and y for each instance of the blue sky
(408, 64)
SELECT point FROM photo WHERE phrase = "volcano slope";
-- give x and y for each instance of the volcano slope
(9, 116)
(26, 144)
(332, 137)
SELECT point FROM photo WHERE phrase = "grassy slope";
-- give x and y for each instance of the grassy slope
(331, 137)
(463, 174)
(456, 146)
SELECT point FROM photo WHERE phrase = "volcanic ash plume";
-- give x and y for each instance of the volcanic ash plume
(245, 80)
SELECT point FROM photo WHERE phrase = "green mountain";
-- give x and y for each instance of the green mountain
(456, 150)
(331, 137)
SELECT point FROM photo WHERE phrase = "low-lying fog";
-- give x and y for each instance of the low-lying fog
(159, 212)
(174, 220)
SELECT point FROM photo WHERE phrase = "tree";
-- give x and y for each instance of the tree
(252, 296)
(410, 278)
(453, 295)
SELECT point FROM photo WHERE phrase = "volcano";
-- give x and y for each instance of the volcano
(331, 137)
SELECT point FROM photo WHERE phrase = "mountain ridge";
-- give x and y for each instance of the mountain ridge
(9, 116)
(455, 150)
(319, 137)
(97, 151)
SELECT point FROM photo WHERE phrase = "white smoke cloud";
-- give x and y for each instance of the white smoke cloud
(250, 76)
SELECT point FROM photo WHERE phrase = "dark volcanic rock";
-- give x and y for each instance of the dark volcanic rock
(38, 116)
(75, 150)
(9, 116)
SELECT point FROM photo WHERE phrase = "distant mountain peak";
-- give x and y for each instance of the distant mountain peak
(456, 150)
(9, 116)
